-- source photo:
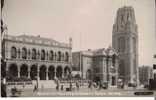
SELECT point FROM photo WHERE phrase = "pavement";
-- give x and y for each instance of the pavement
(52, 92)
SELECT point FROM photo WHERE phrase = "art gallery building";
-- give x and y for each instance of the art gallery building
(36, 57)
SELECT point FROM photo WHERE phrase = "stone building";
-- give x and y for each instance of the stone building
(125, 42)
(36, 57)
(145, 73)
(154, 67)
(97, 65)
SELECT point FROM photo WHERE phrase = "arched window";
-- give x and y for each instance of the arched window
(113, 59)
(24, 53)
(55, 56)
(33, 53)
(42, 72)
(66, 57)
(24, 70)
(43, 55)
(51, 72)
(13, 70)
(59, 56)
(33, 72)
(134, 44)
(88, 74)
(66, 71)
(121, 44)
(19, 53)
(59, 72)
(29, 54)
(13, 52)
(38, 54)
(51, 57)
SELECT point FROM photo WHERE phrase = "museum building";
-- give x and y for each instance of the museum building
(35, 57)
(100, 65)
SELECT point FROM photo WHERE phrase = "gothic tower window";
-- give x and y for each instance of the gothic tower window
(134, 44)
(121, 43)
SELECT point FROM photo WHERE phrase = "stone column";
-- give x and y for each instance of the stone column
(28, 72)
(55, 73)
(18, 72)
(7, 69)
(62, 72)
(38, 77)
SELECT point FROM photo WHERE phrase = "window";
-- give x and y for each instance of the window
(33, 53)
(51, 57)
(38, 54)
(59, 56)
(19, 52)
(113, 59)
(134, 44)
(24, 53)
(13, 52)
(121, 44)
(29, 54)
(66, 57)
(42, 55)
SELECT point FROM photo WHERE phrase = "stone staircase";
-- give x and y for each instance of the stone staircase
(41, 84)
(47, 84)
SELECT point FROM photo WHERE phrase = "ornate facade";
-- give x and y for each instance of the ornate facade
(125, 42)
(97, 65)
(36, 57)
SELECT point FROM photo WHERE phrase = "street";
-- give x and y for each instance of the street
(52, 92)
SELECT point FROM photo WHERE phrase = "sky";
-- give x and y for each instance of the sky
(88, 22)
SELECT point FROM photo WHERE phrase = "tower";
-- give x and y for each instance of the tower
(125, 42)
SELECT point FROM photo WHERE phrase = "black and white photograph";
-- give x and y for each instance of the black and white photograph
(78, 48)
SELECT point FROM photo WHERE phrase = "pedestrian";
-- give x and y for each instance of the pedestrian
(90, 85)
(77, 85)
(62, 87)
(70, 86)
(35, 88)
(57, 85)
(100, 85)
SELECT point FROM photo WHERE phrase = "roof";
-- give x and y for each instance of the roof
(36, 40)
(102, 51)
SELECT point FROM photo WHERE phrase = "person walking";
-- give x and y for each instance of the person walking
(35, 88)
(70, 86)
(77, 85)
(62, 87)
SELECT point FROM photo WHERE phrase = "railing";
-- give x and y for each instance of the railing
(19, 83)
(82, 82)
